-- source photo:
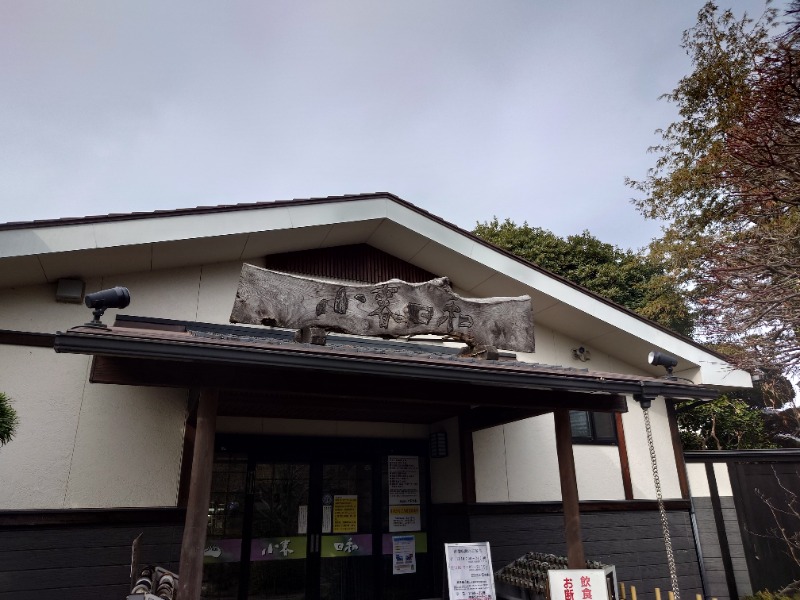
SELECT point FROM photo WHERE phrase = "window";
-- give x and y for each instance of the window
(593, 427)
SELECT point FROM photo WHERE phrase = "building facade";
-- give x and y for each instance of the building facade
(339, 449)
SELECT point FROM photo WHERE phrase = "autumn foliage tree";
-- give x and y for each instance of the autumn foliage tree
(727, 182)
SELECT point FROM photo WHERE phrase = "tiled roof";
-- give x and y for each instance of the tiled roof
(235, 344)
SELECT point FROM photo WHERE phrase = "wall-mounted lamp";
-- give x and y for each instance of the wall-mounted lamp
(117, 297)
(439, 444)
(70, 290)
(659, 359)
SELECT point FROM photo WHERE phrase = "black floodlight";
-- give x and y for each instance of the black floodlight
(116, 297)
(659, 359)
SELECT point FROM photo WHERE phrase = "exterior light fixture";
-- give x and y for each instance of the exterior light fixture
(116, 297)
(70, 290)
(439, 444)
(582, 354)
(659, 359)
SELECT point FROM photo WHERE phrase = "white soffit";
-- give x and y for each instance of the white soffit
(353, 232)
(397, 240)
(308, 215)
(169, 255)
(98, 262)
(287, 240)
(44, 240)
(463, 272)
(21, 270)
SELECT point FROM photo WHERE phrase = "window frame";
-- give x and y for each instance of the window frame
(594, 439)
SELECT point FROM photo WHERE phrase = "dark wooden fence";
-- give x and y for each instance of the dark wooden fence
(736, 532)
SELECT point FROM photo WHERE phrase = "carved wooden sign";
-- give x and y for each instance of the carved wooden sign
(391, 308)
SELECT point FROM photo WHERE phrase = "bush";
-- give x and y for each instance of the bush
(781, 595)
(8, 420)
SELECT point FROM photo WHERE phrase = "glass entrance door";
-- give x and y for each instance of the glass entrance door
(279, 531)
(346, 526)
(347, 544)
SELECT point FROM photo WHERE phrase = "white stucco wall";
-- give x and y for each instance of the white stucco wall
(518, 463)
(599, 472)
(698, 481)
(721, 474)
(639, 453)
(46, 390)
(128, 447)
(85, 445)
(34, 309)
(491, 477)
(531, 461)
(554, 348)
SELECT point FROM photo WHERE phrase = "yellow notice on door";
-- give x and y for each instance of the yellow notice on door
(404, 518)
(345, 514)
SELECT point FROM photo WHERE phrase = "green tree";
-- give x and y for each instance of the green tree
(8, 420)
(723, 424)
(630, 279)
(727, 182)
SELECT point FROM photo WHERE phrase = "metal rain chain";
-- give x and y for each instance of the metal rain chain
(673, 574)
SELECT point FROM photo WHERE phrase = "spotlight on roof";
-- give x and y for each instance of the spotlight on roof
(659, 359)
(116, 297)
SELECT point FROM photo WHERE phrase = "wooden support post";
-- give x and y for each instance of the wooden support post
(569, 490)
(194, 531)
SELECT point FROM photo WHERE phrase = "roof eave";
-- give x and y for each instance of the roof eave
(308, 358)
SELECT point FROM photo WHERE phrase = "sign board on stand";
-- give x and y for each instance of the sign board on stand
(469, 571)
(577, 584)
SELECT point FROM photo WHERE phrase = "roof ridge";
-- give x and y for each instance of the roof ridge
(203, 209)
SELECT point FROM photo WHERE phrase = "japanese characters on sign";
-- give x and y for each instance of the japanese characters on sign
(577, 584)
(345, 546)
(282, 548)
(345, 514)
(469, 571)
(404, 518)
(395, 308)
(403, 480)
(405, 513)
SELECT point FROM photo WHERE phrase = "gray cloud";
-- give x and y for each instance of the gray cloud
(530, 110)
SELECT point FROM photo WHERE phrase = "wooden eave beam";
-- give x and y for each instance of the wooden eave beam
(343, 386)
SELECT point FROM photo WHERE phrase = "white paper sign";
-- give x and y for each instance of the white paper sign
(404, 554)
(577, 584)
(403, 480)
(327, 518)
(469, 571)
(302, 519)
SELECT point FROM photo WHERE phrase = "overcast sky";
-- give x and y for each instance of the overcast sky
(534, 110)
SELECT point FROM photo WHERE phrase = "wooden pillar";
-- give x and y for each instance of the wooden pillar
(194, 531)
(569, 490)
(467, 460)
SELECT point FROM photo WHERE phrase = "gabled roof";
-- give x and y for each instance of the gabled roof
(44, 251)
